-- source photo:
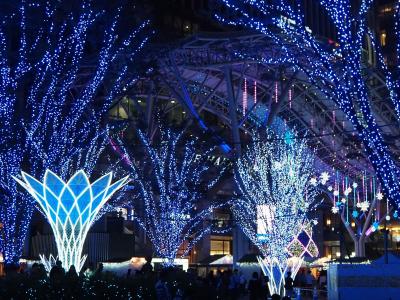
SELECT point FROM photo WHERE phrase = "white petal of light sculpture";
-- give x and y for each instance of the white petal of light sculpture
(71, 208)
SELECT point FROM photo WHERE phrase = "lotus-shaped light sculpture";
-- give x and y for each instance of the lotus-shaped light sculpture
(71, 208)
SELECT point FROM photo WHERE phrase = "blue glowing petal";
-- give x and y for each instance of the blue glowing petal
(103, 197)
(84, 200)
(37, 186)
(67, 199)
(115, 186)
(96, 202)
(53, 182)
(51, 200)
(62, 214)
(101, 184)
(74, 214)
(85, 216)
(53, 216)
(78, 183)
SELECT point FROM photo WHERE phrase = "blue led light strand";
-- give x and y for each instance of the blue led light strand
(55, 89)
(338, 71)
(276, 194)
(171, 181)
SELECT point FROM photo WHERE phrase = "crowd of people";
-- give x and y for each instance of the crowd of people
(37, 283)
(165, 284)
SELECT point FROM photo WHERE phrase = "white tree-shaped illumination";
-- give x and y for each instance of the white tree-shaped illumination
(274, 179)
(71, 208)
(170, 180)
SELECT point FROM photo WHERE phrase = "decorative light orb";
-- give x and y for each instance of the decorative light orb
(335, 209)
(315, 222)
(330, 188)
(324, 177)
(343, 200)
(355, 185)
(289, 138)
(387, 218)
(364, 206)
(313, 181)
(336, 193)
(379, 196)
(395, 214)
(70, 208)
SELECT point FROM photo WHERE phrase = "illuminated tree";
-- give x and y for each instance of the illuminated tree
(273, 176)
(171, 180)
(360, 204)
(338, 70)
(397, 32)
(59, 74)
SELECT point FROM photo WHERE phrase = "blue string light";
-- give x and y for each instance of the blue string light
(170, 185)
(54, 94)
(337, 71)
(274, 178)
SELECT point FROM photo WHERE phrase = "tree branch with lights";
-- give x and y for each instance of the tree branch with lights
(273, 176)
(397, 33)
(338, 70)
(55, 90)
(360, 205)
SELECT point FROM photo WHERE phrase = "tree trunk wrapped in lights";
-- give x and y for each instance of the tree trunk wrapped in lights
(397, 63)
(171, 182)
(273, 176)
(338, 70)
(55, 90)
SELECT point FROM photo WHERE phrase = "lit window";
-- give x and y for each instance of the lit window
(220, 247)
(383, 38)
(387, 9)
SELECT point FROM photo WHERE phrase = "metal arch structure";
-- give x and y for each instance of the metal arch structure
(206, 73)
